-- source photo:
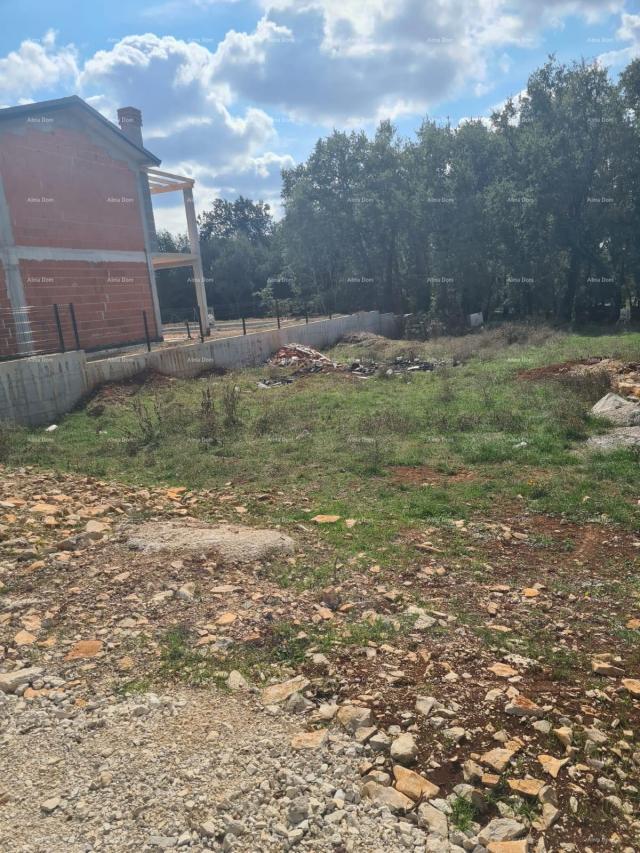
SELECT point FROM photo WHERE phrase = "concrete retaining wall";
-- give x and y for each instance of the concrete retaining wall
(36, 391)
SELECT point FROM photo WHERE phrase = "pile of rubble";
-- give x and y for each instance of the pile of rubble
(624, 375)
(298, 355)
(625, 414)
(307, 360)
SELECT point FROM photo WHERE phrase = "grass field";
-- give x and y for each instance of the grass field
(488, 435)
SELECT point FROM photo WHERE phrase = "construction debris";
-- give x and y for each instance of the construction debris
(624, 376)
(307, 360)
(298, 355)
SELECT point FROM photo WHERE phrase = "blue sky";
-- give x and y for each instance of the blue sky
(233, 90)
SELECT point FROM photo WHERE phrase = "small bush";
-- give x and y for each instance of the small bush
(589, 386)
(230, 402)
(208, 421)
(146, 430)
(571, 418)
(463, 813)
(8, 436)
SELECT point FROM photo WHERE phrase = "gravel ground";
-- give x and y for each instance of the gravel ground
(197, 770)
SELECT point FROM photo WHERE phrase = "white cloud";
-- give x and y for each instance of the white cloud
(37, 66)
(629, 31)
(188, 116)
(349, 62)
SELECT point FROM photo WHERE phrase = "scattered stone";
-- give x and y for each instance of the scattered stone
(187, 592)
(426, 704)
(632, 685)
(550, 815)
(564, 735)
(24, 638)
(433, 819)
(616, 438)
(385, 796)
(413, 785)
(326, 712)
(227, 618)
(501, 829)
(96, 529)
(520, 706)
(528, 787)
(498, 759)
(521, 846)
(310, 740)
(404, 750)
(236, 681)
(503, 670)
(617, 410)
(10, 681)
(552, 765)
(84, 649)
(353, 717)
(455, 734)
(277, 693)
(604, 667)
(50, 805)
(380, 742)
(298, 810)
(472, 772)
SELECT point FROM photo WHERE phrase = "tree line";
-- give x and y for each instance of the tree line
(534, 213)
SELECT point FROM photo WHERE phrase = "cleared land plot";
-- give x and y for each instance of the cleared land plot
(474, 528)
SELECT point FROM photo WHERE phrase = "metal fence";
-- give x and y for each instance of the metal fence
(61, 327)
(98, 327)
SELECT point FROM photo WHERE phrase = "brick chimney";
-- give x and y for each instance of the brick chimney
(130, 121)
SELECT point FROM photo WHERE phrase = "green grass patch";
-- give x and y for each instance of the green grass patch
(336, 440)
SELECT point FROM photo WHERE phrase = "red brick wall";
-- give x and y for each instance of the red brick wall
(58, 185)
(108, 299)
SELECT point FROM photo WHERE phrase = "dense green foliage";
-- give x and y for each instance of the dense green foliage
(533, 214)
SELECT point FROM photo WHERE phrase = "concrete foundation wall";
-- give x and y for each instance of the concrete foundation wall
(36, 391)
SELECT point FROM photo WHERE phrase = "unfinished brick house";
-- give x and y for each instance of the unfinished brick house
(78, 247)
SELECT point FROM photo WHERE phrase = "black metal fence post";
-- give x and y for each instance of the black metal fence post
(244, 327)
(74, 323)
(188, 330)
(306, 314)
(278, 313)
(200, 324)
(56, 313)
(146, 330)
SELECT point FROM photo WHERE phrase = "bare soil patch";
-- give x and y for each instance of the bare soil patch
(419, 474)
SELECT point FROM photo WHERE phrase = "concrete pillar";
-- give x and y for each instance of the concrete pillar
(13, 280)
(149, 248)
(194, 245)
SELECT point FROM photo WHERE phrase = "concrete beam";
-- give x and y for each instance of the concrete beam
(194, 244)
(52, 253)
